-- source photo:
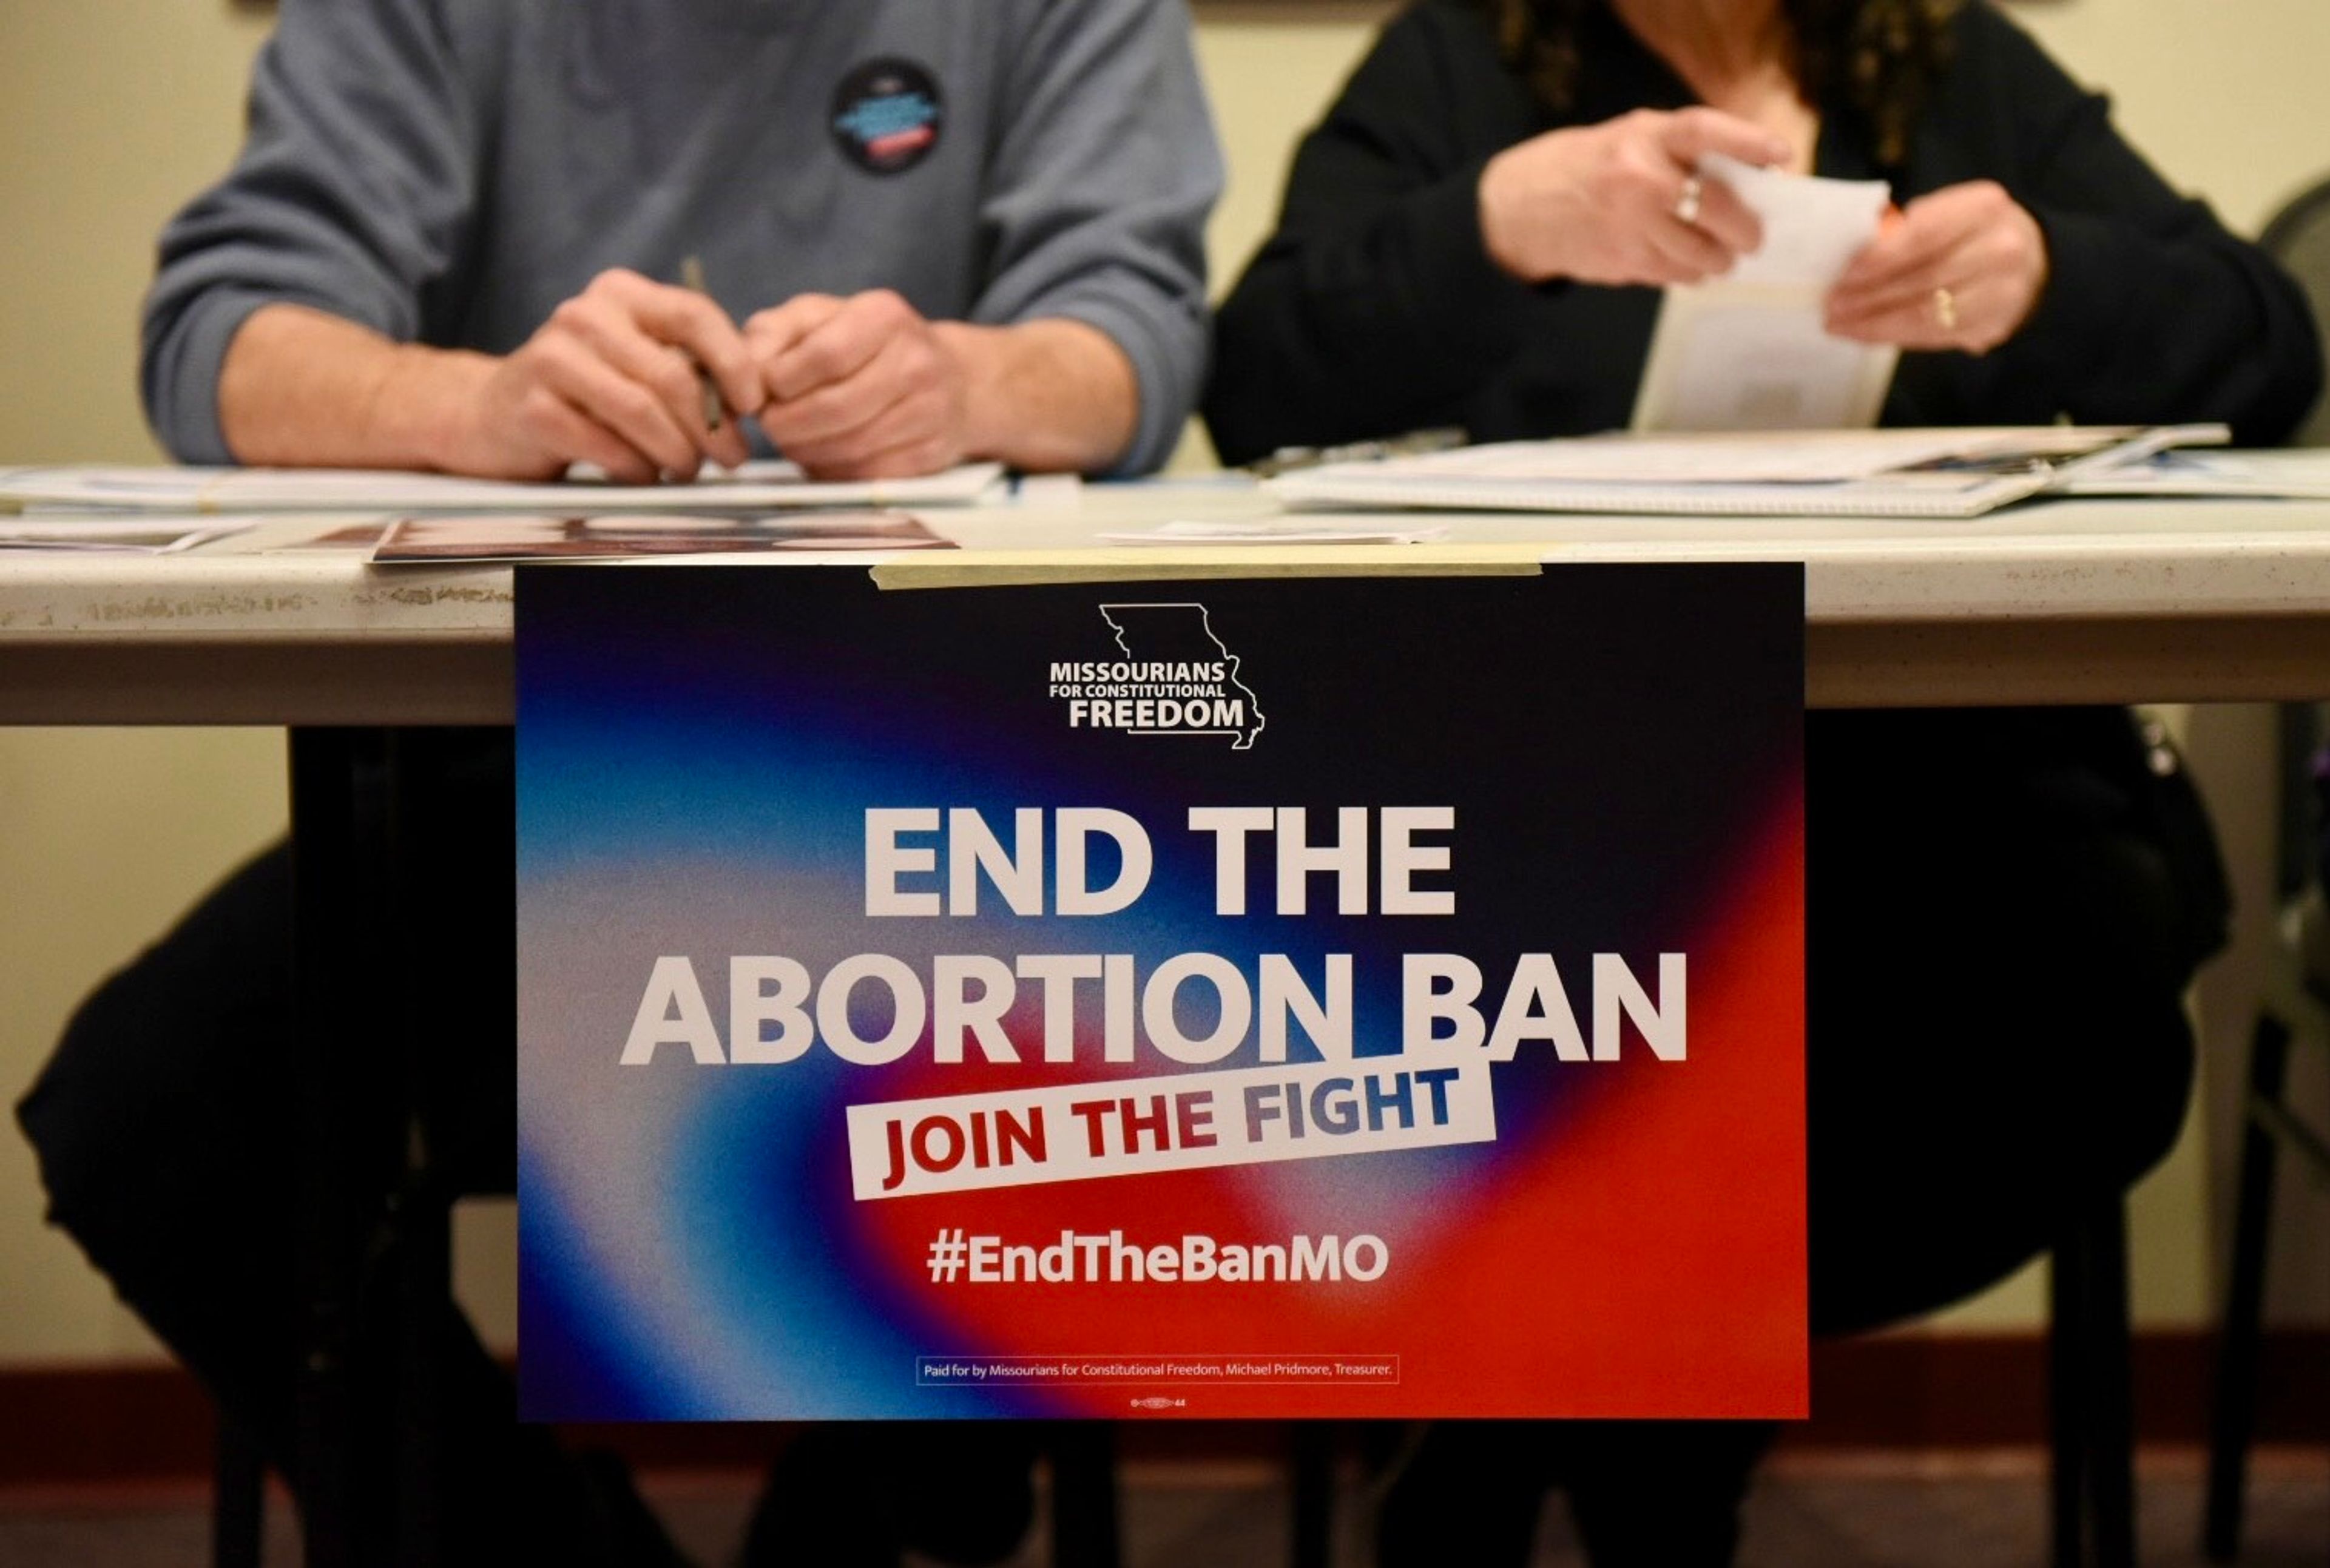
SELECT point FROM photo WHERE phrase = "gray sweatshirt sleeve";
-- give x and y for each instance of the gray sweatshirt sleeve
(352, 195)
(1098, 190)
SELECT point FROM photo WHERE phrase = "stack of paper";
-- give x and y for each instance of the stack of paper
(1906, 473)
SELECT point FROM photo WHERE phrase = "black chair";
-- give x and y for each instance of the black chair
(2300, 992)
(2091, 1422)
(2298, 237)
(2268, 1123)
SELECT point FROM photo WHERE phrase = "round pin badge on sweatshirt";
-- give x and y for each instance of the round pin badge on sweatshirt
(887, 114)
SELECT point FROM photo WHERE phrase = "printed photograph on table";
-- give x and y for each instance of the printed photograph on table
(515, 536)
(1357, 996)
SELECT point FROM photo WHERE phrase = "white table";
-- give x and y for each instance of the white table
(2059, 602)
(2065, 602)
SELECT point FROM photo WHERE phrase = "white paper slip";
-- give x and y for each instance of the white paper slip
(1272, 532)
(1749, 350)
(1813, 227)
(756, 485)
(1048, 492)
(1749, 357)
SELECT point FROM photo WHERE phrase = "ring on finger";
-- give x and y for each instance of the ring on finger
(1945, 309)
(1686, 203)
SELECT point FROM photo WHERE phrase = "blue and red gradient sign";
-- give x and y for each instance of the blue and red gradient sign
(1355, 996)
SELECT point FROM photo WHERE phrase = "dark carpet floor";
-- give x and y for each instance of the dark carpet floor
(1806, 1512)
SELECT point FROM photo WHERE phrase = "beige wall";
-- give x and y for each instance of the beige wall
(2224, 96)
(112, 111)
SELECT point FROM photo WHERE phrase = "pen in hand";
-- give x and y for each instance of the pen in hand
(691, 277)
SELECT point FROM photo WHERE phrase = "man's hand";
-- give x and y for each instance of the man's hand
(613, 379)
(861, 388)
(1619, 203)
(1962, 267)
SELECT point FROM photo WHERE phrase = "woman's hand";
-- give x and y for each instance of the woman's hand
(1962, 267)
(1619, 203)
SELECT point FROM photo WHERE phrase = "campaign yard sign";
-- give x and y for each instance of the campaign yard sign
(1351, 995)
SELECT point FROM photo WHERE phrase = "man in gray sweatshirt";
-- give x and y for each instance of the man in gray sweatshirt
(455, 234)
(454, 240)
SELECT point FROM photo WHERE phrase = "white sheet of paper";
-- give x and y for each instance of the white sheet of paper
(1747, 350)
(1292, 531)
(136, 536)
(755, 485)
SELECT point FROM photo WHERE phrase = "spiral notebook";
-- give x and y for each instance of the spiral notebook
(1877, 473)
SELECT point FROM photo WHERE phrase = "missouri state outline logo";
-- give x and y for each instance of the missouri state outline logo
(1173, 676)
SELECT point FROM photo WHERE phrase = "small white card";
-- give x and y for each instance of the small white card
(1274, 532)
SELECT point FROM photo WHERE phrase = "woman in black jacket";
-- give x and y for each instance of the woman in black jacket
(1475, 234)
(2004, 906)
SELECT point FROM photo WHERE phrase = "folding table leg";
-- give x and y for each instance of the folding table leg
(420, 1220)
(346, 1149)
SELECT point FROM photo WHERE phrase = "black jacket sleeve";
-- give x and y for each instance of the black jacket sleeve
(1374, 303)
(2152, 311)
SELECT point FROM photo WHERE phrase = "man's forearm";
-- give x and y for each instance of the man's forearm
(302, 388)
(1048, 396)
